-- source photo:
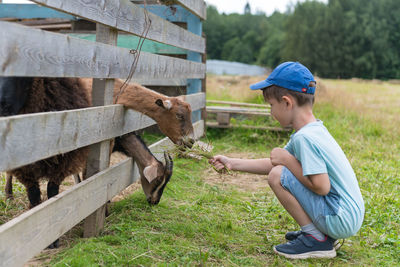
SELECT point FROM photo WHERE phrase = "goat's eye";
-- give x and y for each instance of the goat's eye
(179, 116)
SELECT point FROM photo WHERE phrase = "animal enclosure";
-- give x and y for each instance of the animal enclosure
(176, 60)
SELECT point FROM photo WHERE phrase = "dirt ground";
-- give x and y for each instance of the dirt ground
(243, 181)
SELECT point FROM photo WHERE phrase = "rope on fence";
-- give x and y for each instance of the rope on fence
(136, 52)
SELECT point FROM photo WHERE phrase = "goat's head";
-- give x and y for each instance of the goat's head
(175, 120)
(154, 179)
(13, 94)
(172, 114)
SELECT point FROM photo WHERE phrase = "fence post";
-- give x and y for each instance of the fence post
(99, 154)
(195, 26)
(204, 89)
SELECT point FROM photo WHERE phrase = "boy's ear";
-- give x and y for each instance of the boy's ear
(288, 100)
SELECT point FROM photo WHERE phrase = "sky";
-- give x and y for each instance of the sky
(236, 6)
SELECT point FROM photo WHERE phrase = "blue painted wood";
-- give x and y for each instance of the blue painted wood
(195, 26)
(31, 11)
(131, 42)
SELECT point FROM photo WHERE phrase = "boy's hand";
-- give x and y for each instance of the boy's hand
(278, 156)
(220, 162)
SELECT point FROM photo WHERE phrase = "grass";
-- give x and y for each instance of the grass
(197, 223)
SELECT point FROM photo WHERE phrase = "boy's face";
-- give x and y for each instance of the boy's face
(281, 110)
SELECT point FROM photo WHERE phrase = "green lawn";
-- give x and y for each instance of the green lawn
(197, 223)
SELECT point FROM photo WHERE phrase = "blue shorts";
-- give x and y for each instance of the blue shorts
(317, 207)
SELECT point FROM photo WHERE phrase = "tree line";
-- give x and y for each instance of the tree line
(340, 39)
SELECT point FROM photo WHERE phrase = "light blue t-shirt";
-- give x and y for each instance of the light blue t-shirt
(318, 152)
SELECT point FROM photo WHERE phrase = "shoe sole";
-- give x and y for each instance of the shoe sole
(327, 254)
(336, 245)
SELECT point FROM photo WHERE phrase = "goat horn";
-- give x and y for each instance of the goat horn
(168, 161)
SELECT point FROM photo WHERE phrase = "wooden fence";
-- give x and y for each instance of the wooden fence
(24, 139)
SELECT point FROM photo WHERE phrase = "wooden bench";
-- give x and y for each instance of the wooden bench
(238, 104)
(247, 109)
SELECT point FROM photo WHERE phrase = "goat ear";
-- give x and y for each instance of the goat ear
(150, 172)
(164, 103)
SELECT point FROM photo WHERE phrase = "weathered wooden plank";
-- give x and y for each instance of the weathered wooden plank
(130, 41)
(238, 104)
(128, 17)
(223, 118)
(35, 229)
(27, 138)
(47, 54)
(26, 235)
(29, 11)
(99, 154)
(198, 129)
(173, 13)
(198, 7)
(56, 27)
(197, 101)
(235, 110)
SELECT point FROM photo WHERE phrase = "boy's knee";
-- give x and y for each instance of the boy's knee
(274, 177)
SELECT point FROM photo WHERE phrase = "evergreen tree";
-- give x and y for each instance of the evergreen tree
(247, 9)
(341, 39)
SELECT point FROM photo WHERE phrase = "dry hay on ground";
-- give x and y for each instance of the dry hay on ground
(232, 87)
(377, 101)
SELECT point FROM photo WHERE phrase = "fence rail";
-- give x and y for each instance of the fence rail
(199, 8)
(47, 54)
(238, 104)
(126, 16)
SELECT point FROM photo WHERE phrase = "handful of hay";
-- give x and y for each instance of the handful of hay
(198, 151)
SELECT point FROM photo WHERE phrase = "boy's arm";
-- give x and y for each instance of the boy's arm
(318, 183)
(256, 166)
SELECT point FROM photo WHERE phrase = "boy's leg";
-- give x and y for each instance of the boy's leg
(292, 206)
(306, 245)
(288, 201)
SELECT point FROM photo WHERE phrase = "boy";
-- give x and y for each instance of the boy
(311, 176)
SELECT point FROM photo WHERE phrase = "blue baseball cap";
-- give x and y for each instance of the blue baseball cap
(290, 75)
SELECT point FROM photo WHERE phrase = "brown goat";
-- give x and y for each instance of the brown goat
(30, 95)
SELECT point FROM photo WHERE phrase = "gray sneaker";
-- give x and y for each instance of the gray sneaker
(306, 246)
(289, 236)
